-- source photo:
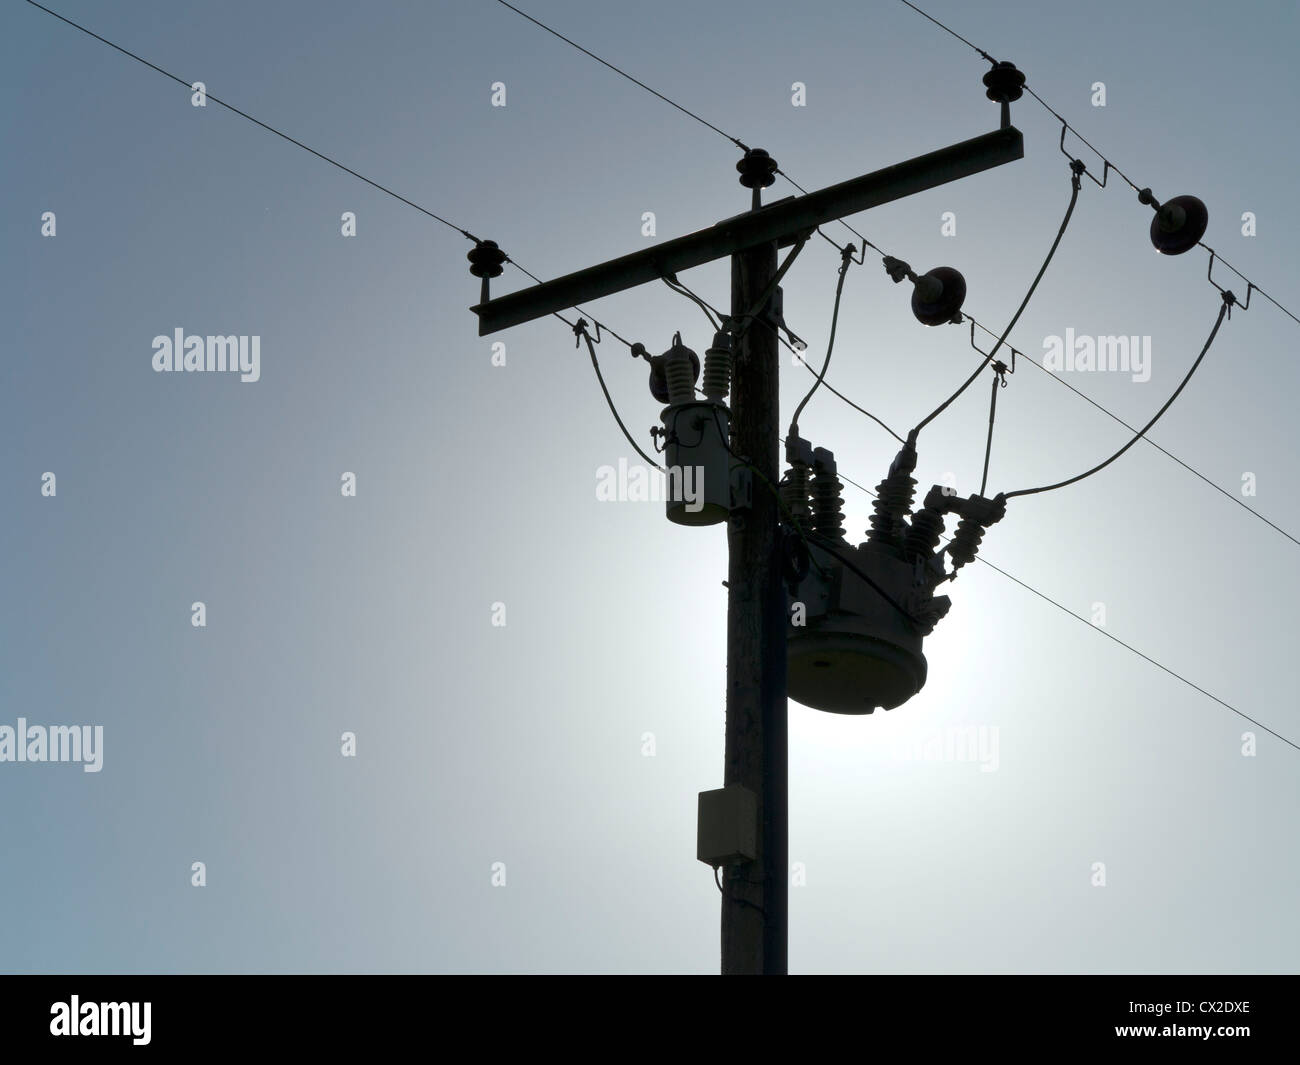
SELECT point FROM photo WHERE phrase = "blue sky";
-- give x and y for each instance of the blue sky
(479, 744)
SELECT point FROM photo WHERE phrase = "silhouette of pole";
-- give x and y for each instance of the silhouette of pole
(756, 894)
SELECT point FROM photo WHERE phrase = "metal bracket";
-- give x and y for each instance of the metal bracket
(1105, 169)
(1209, 275)
(1014, 353)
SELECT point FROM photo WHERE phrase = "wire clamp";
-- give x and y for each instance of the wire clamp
(580, 332)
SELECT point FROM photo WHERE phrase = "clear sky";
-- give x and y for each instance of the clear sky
(524, 744)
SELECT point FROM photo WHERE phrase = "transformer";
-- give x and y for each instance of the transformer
(856, 651)
(858, 616)
(697, 456)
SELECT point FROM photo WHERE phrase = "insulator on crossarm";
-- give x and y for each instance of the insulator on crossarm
(717, 367)
(794, 492)
(827, 500)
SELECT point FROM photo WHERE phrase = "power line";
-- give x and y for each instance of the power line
(1223, 310)
(578, 328)
(1116, 639)
(672, 103)
(681, 289)
(320, 155)
(684, 290)
(623, 73)
(1130, 647)
(580, 331)
(1076, 167)
(948, 30)
(847, 257)
(1107, 164)
(1168, 454)
(858, 234)
(256, 121)
(583, 335)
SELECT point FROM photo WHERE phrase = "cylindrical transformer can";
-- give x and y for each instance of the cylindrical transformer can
(855, 651)
(698, 477)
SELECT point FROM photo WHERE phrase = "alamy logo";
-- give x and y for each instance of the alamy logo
(239, 354)
(637, 484)
(102, 1018)
(57, 743)
(968, 744)
(1084, 353)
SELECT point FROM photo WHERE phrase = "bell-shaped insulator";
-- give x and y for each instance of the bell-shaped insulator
(938, 296)
(1179, 225)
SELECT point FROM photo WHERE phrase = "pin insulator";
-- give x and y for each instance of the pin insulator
(485, 259)
(1004, 82)
(757, 169)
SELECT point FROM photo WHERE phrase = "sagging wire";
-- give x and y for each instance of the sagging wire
(724, 322)
(1076, 168)
(709, 310)
(1000, 372)
(581, 333)
(1107, 165)
(833, 391)
(1228, 301)
(846, 257)
(756, 311)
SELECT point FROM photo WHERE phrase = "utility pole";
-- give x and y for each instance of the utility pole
(755, 898)
(755, 891)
